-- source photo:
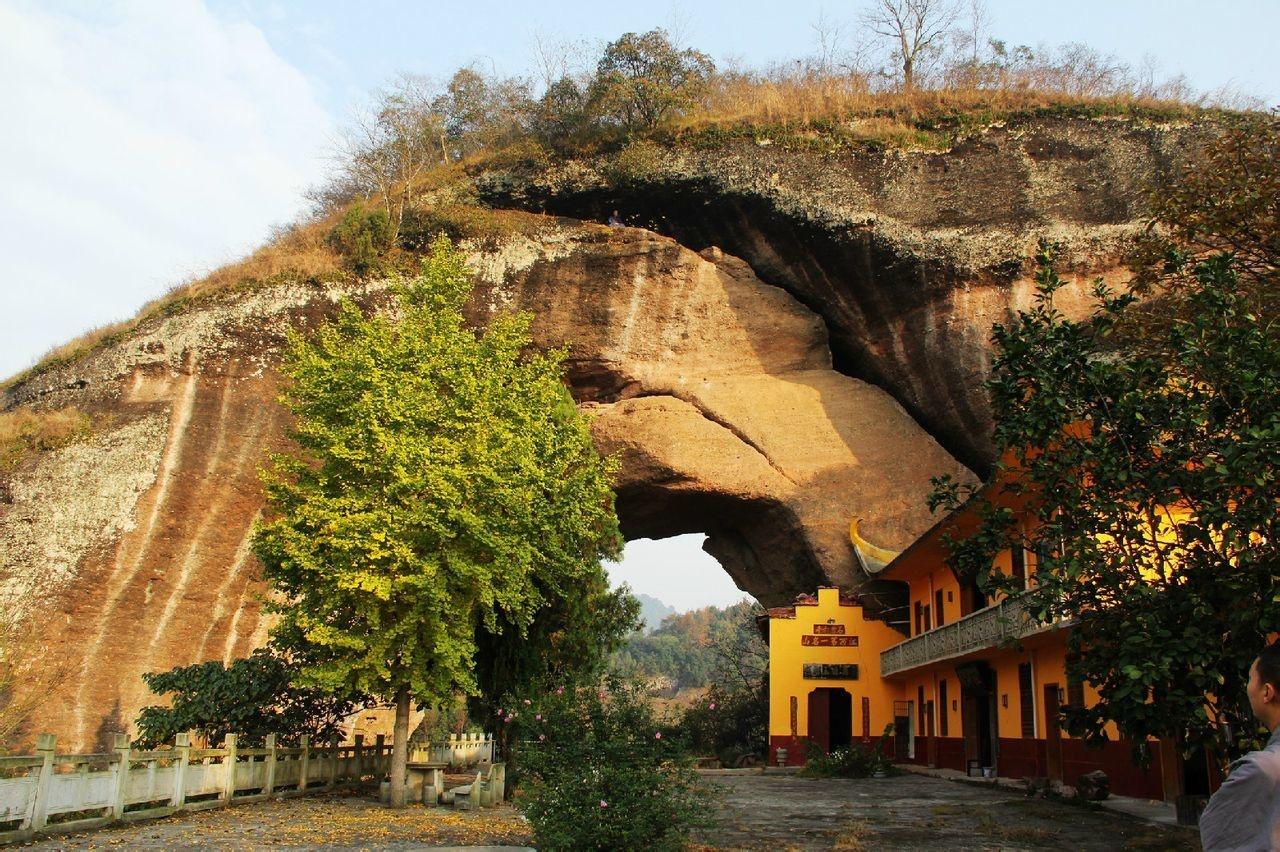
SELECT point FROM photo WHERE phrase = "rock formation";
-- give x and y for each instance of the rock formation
(909, 257)
(709, 370)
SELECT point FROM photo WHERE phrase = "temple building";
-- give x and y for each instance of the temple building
(968, 683)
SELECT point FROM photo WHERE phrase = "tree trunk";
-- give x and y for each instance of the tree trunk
(400, 749)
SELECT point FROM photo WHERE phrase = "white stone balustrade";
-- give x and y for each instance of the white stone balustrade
(49, 792)
(987, 628)
(460, 750)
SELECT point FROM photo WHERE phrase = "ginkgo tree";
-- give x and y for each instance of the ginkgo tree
(442, 481)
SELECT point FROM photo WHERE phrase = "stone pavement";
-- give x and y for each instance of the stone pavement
(907, 811)
(757, 811)
(1160, 813)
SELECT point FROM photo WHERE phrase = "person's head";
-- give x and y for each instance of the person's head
(1264, 686)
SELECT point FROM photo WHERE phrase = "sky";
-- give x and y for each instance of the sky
(149, 141)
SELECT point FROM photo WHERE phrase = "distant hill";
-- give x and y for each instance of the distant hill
(652, 611)
(694, 649)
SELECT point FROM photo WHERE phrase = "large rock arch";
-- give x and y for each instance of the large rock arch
(715, 389)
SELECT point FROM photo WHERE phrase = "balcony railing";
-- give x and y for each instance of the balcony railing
(985, 628)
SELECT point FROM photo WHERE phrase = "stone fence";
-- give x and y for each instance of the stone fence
(49, 792)
(465, 750)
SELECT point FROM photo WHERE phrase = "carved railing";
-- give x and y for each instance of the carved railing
(985, 628)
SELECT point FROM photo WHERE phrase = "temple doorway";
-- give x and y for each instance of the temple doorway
(830, 718)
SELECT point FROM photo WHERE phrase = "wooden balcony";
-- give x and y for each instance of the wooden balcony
(986, 628)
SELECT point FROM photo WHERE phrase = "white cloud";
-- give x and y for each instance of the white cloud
(143, 141)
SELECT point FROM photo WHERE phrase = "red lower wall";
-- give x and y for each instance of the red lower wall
(796, 748)
(1027, 758)
(1115, 759)
(1021, 758)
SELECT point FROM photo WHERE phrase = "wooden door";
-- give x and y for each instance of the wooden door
(820, 718)
(1052, 733)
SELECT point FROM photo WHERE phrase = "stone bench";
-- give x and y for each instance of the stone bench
(488, 789)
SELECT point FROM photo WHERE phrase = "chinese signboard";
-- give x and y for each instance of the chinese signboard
(829, 641)
(829, 628)
(831, 671)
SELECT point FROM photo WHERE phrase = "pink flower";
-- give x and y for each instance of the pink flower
(559, 690)
(499, 711)
(658, 735)
(713, 706)
(508, 719)
(527, 702)
(538, 717)
(603, 803)
(541, 737)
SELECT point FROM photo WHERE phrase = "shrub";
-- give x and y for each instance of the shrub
(362, 237)
(599, 772)
(728, 724)
(252, 697)
(852, 761)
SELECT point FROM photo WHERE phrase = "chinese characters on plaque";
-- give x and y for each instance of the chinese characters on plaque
(829, 641)
(831, 671)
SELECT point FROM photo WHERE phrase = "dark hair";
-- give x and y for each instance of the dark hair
(1269, 664)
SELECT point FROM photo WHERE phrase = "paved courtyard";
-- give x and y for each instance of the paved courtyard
(916, 812)
(772, 812)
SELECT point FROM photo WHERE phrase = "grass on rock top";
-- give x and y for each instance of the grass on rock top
(813, 113)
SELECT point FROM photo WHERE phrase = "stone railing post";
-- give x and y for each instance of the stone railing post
(303, 760)
(118, 795)
(181, 744)
(333, 764)
(269, 784)
(45, 746)
(357, 758)
(229, 769)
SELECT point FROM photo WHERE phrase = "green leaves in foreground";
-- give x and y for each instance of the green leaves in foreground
(443, 479)
(1153, 477)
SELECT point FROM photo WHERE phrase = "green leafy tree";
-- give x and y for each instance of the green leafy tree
(252, 698)
(481, 111)
(443, 479)
(1151, 472)
(642, 79)
(570, 641)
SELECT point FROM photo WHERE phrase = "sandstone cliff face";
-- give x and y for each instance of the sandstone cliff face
(131, 551)
(804, 346)
(909, 257)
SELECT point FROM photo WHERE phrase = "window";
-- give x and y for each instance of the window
(937, 607)
(1075, 692)
(942, 704)
(919, 619)
(1075, 686)
(1018, 557)
(1027, 698)
(928, 624)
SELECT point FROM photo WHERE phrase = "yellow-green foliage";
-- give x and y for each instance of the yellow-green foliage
(443, 480)
(24, 432)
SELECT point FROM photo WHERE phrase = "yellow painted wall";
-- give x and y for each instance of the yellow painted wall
(931, 680)
(923, 591)
(787, 657)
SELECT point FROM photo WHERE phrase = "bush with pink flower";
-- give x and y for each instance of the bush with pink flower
(599, 771)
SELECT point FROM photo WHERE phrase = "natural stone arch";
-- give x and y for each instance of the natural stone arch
(715, 389)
